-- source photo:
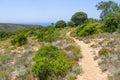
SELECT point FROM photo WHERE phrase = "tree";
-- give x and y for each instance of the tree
(49, 61)
(60, 24)
(108, 8)
(117, 16)
(52, 24)
(79, 18)
(70, 24)
(111, 24)
(110, 14)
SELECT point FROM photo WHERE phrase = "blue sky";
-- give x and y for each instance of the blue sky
(18, 11)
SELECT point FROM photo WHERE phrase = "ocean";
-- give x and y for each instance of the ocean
(37, 23)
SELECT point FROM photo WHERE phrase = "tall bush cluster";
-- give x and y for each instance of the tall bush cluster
(47, 34)
(49, 61)
(86, 29)
(19, 40)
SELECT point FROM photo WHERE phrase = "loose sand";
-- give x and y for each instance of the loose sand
(91, 70)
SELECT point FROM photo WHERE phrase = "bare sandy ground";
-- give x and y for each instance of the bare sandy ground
(91, 70)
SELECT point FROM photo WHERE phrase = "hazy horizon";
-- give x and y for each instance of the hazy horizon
(28, 23)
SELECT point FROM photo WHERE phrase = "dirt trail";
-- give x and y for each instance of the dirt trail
(91, 70)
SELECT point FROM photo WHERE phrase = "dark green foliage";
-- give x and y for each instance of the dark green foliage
(47, 34)
(3, 35)
(117, 16)
(60, 24)
(31, 32)
(70, 24)
(108, 8)
(19, 40)
(92, 20)
(79, 18)
(49, 61)
(27, 31)
(110, 25)
(86, 29)
(18, 31)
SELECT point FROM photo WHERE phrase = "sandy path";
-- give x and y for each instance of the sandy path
(91, 71)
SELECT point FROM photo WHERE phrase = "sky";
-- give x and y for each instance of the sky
(26, 11)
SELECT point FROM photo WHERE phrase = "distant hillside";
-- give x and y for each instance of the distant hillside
(9, 27)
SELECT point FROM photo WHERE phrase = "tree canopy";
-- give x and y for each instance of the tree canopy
(108, 8)
(60, 24)
(79, 18)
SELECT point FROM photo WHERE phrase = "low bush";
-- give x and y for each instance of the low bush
(48, 61)
(86, 29)
(3, 35)
(19, 40)
(3, 75)
(104, 51)
(48, 34)
(75, 54)
(70, 76)
(76, 69)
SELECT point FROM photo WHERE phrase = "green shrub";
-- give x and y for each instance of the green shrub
(104, 51)
(30, 32)
(48, 61)
(118, 30)
(80, 28)
(3, 75)
(110, 25)
(18, 31)
(3, 35)
(19, 40)
(48, 34)
(86, 29)
(92, 20)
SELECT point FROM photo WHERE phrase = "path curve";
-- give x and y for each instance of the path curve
(91, 70)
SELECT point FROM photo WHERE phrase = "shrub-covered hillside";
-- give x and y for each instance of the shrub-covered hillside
(33, 52)
(54, 52)
(9, 27)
